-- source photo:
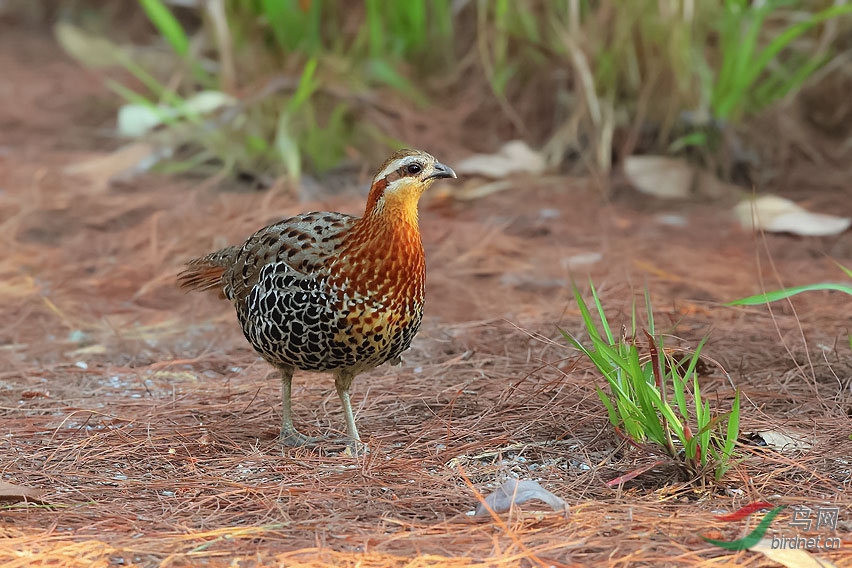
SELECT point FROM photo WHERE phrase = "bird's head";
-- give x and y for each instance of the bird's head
(401, 181)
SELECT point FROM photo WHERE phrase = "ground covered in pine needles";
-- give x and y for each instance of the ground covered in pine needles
(148, 427)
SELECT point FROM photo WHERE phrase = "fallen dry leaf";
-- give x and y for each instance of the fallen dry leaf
(784, 442)
(125, 161)
(778, 215)
(669, 178)
(515, 492)
(11, 492)
(790, 558)
(514, 157)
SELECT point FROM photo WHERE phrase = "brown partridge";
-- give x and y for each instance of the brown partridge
(328, 291)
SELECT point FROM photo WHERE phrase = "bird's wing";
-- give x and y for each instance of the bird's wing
(303, 243)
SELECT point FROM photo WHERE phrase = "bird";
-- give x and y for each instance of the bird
(330, 292)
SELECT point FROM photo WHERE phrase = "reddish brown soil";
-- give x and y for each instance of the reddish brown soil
(150, 425)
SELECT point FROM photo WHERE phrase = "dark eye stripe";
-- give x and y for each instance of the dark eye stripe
(402, 172)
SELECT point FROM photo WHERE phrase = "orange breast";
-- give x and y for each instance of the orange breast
(383, 264)
(378, 279)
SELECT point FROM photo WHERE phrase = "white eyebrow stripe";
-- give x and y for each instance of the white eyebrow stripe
(400, 163)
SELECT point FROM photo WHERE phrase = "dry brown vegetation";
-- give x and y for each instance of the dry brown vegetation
(149, 425)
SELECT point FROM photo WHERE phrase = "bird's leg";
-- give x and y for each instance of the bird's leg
(342, 381)
(289, 435)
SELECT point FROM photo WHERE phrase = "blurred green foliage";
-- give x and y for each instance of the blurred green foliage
(316, 79)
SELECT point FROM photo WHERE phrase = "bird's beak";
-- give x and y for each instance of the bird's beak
(441, 171)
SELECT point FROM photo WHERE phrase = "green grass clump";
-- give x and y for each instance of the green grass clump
(653, 398)
(758, 59)
(752, 76)
(645, 75)
(626, 66)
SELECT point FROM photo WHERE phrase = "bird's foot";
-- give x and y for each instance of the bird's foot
(295, 439)
(348, 446)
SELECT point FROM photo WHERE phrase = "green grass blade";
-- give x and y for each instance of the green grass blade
(645, 395)
(703, 418)
(591, 328)
(699, 409)
(602, 314)
(740, 50)
(613, 357)
(733, 430)
(693, 361)
(691, 140)
(375, 28)
(729, 34)
(600, 361)
(666, 410)
(679, 388)
(306, 88)
(129, 94)
(575, 342)
(649, 309)
(635, 369)
(283, 20)
(782, 40)
(167, 25)
(413, 20)
(610, 409)
(845, 270)
(780, 85)
(287, 148)
(167, 96)
(634, 327)
(789, 292)
(745, 52)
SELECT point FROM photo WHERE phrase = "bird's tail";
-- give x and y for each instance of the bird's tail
(206, 273)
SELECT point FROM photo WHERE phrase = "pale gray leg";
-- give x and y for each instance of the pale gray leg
(289, 435)
(342, 381)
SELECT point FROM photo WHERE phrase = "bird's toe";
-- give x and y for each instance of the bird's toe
(296, 439)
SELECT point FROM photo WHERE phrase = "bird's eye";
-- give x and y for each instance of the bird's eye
(413, 169)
